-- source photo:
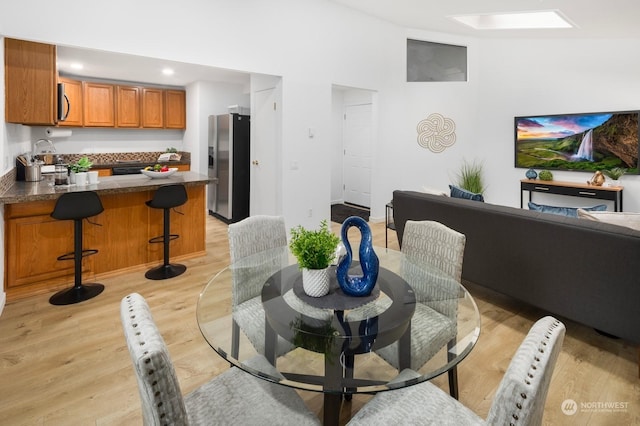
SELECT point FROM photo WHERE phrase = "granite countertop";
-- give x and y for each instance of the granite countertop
(24, 192)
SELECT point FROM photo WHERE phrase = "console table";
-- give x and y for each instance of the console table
(574, 189)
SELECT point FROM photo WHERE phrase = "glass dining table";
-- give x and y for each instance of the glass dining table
(338, 344)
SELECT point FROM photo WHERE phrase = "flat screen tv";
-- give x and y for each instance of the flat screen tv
(580, 142)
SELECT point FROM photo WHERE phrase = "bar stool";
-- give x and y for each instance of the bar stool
(167, 197)
(77, 206)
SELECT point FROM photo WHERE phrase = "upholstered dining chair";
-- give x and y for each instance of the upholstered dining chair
(434, 322)
(233, 397)
(519, 400)
(250, 236)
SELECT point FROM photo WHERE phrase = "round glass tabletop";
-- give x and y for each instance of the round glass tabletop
(417, 317)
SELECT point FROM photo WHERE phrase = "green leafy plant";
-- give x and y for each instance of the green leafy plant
(470, 177)
(313, 249)
(615, 173)
(172, 149)
(545, 175)
(82, 165)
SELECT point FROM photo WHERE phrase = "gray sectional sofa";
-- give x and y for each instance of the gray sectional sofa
(583, 270)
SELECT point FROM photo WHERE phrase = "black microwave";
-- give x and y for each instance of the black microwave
(64, 106)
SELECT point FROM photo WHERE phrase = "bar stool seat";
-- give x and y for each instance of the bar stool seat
(77, 206)
(167, 197)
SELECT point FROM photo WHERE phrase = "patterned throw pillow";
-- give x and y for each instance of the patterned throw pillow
(564, 211)
(463, 193)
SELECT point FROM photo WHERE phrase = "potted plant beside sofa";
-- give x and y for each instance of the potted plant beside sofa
(314, 250)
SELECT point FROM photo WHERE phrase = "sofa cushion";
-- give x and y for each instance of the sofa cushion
(630, 220)
(564, 211)
(463, 193)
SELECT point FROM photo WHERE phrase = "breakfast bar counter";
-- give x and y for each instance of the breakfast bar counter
(121, 233)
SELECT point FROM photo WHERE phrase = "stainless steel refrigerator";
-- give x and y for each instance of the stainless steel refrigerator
(229, 140)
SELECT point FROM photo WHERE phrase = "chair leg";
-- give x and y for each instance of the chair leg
(453, 382)
(235, 339)
(452, 373)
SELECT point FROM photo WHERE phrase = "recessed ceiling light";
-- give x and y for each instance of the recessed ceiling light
(515, 20)
(76, 66)
(167, 71)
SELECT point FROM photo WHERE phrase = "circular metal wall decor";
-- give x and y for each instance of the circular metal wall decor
(436, 132)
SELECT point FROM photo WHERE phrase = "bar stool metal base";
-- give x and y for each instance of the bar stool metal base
(164, 272)
(76, 294)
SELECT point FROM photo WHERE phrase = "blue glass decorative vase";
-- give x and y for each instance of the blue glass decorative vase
(363, 284)
(531, 174)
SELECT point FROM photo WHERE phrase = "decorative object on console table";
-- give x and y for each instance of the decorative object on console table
(597, 179)
(314, 250)
(545, 175)
(358, 285)
(615, 174)
(531, 174)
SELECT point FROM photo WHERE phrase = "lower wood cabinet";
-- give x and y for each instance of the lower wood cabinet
(34, 240)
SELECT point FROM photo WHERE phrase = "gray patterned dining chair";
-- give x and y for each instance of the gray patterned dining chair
(434, 323)
(233, 397)
(250, 237)
(519, 400)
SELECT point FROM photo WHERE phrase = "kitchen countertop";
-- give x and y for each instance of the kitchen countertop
(24, 192)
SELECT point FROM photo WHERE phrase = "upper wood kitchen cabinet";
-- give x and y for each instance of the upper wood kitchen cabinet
(152, 107)
(175, 109)
(127, 106)
(99, 104)
(31, 80)
(72, 105)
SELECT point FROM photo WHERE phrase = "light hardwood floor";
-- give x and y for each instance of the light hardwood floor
(69, 365)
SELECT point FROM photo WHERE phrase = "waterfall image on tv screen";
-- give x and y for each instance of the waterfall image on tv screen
(581, 142)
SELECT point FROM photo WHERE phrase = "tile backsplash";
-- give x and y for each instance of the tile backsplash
(113, 157)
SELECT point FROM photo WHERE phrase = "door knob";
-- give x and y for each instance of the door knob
(255, 163)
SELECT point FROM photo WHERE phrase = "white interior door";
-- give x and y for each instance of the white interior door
(264, 193)
(357, 140)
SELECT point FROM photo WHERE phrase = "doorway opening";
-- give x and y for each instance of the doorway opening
(352, 147)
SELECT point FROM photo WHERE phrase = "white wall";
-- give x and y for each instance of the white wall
(521, 77)
(311, 44)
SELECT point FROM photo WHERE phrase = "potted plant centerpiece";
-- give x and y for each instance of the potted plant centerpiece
(314, 250)
(81, 166)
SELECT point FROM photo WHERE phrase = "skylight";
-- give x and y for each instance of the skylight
(515, 20)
